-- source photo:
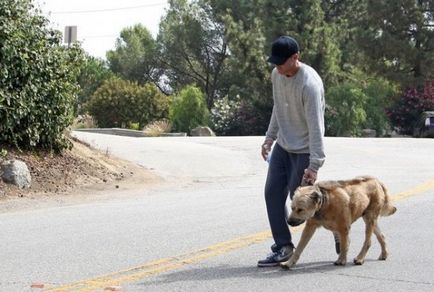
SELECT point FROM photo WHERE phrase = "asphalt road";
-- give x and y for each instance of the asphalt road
(205, 227)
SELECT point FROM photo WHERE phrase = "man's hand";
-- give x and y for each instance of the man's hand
(266, 148)
(309, 177)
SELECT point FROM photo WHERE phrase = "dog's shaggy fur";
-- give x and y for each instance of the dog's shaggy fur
(335, 205)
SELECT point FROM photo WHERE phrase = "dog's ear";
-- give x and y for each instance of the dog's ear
(316, 196)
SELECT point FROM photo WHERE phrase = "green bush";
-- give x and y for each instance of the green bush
(189, 110)
(380, 93)
(133, 126)
(224, 114)
(359, 104)
(37, 79)
(345, 113)
(121, 103)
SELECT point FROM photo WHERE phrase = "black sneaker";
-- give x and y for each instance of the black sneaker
(274, 248)
(275, 258)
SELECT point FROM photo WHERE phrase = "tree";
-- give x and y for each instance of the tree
(135, 56)
(397, 38)
(251, 26)
(92, 74)
(247, 77)
(317, 35)
(344, 18)
(265, 20)
(38, 79)
(193, 48)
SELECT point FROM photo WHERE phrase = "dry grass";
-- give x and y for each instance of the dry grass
(84, 122)
(157, 128)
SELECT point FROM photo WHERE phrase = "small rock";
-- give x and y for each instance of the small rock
(202, 131)
(38, 285)
(113, 288)
(369, 133)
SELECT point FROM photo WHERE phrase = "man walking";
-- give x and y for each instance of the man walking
(297, 126)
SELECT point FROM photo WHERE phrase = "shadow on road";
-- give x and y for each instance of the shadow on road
(228, 272)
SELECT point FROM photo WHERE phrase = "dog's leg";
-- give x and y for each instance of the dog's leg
(370, 223)
(382, 241)
(344, 244)
(337, 243)
(306, 235)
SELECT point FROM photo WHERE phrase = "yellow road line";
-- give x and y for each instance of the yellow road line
(164, 265)
(417, 190)
(172, 263)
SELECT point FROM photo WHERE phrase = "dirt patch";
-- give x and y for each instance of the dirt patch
(73, 175)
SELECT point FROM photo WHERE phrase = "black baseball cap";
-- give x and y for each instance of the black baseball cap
(283, 48)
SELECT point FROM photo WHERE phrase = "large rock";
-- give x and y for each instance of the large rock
(369, 133)
(16, 172)
(202, 131)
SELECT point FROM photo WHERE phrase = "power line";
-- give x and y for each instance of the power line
(108, 9)
(99, 36)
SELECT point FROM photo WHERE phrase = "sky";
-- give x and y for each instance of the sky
(99, 22)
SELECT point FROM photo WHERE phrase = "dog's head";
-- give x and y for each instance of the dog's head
(306, 201)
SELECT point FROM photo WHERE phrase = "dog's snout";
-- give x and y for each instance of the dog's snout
(294, 222)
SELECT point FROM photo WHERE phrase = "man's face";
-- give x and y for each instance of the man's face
(289, 67)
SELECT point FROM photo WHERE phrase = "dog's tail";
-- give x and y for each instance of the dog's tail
(387, 209)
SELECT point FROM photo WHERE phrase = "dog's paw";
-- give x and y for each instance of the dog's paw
(340, 262)
(383, 256)
(358, 261)
(287, 265)
(284, 266)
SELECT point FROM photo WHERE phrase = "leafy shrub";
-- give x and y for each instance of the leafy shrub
(37, 79)
(3, 153)
(224, 114)
(119, 103)
(239, 117)
(380, 93)
(250, 119)
(407, 107)
(367, 97)
(345, 113)
(133, 126)
(189, 110)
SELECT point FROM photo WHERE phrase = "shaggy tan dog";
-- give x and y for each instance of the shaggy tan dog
(335, 205)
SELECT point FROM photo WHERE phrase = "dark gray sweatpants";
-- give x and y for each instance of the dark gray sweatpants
(285, 173)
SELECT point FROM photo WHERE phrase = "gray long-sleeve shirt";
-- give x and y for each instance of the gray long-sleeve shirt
(297, 121)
